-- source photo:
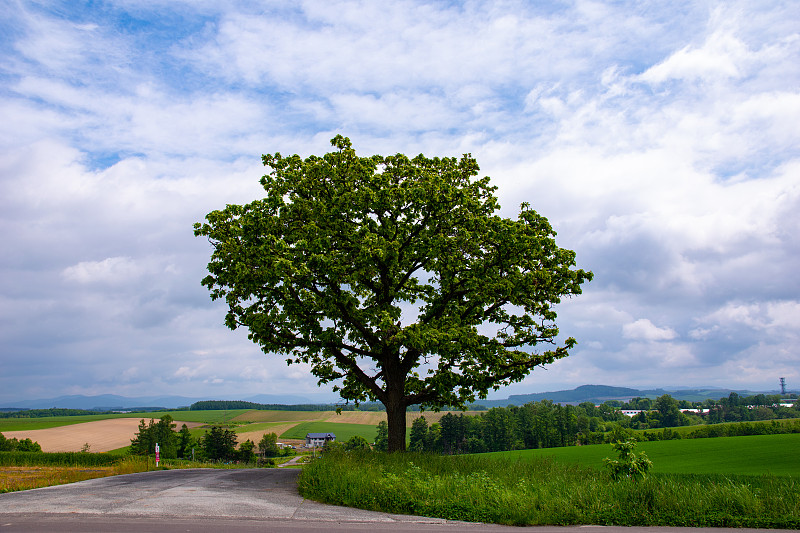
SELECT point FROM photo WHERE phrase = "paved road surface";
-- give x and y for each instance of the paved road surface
(262, 500)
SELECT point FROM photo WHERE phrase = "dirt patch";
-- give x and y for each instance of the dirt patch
(101, 435)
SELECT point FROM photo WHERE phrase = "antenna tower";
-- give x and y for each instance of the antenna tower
(783, 385)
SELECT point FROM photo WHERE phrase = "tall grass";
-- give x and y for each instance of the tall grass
(545, 492)
(57, 459)
(24, 477)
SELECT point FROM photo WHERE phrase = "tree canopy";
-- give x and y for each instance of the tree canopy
(392, 277)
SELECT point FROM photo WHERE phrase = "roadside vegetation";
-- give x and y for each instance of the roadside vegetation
(543, 491)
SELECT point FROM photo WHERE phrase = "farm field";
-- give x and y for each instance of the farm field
(106, 432)
(753, 455)
(101, 435)
(204, 417)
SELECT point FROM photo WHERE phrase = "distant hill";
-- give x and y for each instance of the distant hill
(113, 402)
(600, 393)
(585, 393)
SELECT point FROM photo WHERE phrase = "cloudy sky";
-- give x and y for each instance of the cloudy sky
(661, 139)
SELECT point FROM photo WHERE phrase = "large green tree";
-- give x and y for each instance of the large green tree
(393, 277)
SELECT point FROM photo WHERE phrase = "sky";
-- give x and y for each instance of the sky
(660, 139)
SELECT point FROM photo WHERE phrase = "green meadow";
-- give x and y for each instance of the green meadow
(754, 455)
(722, 482)
(206, 417)
(343, 432)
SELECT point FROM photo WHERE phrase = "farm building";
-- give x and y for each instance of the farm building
(314, 440)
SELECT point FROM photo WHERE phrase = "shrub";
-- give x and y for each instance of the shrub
(629, 464)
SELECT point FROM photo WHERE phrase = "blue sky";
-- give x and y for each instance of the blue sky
(660, 139)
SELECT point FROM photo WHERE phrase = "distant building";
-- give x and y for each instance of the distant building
(317, 440)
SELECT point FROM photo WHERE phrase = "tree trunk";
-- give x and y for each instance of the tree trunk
(396, 418)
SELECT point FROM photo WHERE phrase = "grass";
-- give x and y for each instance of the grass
(57, 459)
(342, 431)
(754, 455)
(543, 491)
(24, 477)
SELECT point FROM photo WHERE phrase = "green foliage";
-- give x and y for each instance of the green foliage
(246, 453)
(219, 444)
(321, 267)
(629, 464)
(185, 442)
(161, 433)
(382, 437)
(14, 445)
(419, 430)
(356, 442)
(268, 445)
(57, 459)
(544, 492)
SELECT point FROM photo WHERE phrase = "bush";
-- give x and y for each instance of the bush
(629, 464)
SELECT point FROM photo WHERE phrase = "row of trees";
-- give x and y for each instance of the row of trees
(216, 405)
(547, 425)
(665, 411)
(217, 444)
(533, 425)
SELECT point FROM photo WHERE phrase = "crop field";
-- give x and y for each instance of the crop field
(100, 435)
(201, 417)
(754, 455)
(28, 424)
(277, 416)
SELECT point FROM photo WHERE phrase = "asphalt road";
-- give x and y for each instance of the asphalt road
(262, 500)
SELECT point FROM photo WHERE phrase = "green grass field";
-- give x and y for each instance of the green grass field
(207, 417)
(755, 455)
(342, 431)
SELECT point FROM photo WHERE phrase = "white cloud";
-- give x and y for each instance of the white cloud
(110, 270)
(660, 140)
(645, 330)
(717, 58)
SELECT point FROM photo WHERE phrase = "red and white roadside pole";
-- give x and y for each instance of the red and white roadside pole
(157, 454)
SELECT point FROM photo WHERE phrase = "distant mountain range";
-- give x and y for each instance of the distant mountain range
(112, 402)
(585, 393)
(600, 393)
